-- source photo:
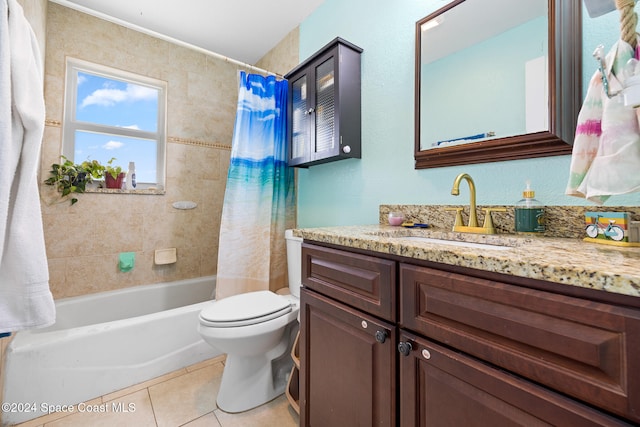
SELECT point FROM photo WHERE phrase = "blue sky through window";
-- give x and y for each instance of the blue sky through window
(103, 147)
(119, 104)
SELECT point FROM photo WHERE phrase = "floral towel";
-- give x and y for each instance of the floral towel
(606, 151)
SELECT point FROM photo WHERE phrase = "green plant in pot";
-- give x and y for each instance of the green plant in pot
(113, 175)
(69, 177)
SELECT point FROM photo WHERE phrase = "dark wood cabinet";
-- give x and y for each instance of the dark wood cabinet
(512, 355)
(323, 108)
(367, 283)
(459, 349)
(584, 349)
(443, 387)
(348, 339)
(348, 360)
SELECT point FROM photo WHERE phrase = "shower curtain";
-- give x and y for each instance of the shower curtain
(259, 196)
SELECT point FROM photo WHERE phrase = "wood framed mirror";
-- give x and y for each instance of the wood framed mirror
(501, 89)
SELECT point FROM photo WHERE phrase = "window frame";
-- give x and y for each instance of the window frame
(70, 125)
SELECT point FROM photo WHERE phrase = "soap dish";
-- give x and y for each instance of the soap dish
(165, 256)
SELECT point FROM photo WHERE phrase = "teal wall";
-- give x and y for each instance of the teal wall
(349, 192)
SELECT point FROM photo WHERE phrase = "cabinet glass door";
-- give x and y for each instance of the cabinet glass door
(325, 139)
(300, 120)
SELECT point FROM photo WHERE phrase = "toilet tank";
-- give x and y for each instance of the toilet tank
(294, 262)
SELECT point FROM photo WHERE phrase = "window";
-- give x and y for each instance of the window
(111, 113)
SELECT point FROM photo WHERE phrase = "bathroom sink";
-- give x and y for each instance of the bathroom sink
(452, 242)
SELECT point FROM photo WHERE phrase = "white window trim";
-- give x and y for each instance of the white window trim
(70, 125)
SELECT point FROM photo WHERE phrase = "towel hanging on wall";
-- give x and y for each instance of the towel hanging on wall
(606, 150)
(25, 298)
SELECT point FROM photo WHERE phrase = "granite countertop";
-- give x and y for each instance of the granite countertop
(561, 260)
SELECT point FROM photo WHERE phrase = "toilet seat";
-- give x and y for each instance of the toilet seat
(244, 309)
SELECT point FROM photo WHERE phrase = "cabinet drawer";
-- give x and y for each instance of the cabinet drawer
(585, 349)
(440, 387)
(361, 281)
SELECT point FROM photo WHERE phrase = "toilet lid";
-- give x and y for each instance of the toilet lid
(245, 309)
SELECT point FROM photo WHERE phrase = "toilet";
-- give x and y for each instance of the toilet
(256, 330)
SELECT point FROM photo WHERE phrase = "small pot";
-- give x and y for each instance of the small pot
(110, 182)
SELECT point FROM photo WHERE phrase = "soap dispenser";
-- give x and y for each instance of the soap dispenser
(529, 212)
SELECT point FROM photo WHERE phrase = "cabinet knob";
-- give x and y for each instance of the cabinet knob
(405, 348)
(381, 336)
(346, 149)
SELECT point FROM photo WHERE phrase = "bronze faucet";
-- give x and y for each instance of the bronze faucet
(473, 217)
(487, 227)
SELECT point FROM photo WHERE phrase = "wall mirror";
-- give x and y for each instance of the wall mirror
(497, 80)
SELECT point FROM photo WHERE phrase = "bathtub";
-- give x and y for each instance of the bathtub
(105, 342)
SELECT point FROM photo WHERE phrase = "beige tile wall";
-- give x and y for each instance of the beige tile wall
(83, 241)
(36, 13)
(283, 57)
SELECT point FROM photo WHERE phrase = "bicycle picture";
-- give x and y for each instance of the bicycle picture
(610, 231)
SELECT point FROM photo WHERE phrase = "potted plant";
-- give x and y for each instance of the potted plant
(113, 175)
(69, 177)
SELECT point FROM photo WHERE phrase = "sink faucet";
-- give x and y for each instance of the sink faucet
(487, 227)
(473, 217)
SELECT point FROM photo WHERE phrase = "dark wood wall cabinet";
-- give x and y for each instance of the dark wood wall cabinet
(323, 108)
(392, 342)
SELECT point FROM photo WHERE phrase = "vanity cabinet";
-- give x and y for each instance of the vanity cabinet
(348, 365)
(533, 353)
(388, 340)
(347, 355)
(440, 386)
(323, 108)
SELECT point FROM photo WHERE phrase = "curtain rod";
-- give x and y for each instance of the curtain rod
(155, 34)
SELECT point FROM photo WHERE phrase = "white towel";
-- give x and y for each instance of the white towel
(25, 297)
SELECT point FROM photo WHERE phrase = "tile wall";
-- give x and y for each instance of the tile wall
(83, 241)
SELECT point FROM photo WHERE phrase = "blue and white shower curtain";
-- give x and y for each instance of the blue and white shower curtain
(259, 197)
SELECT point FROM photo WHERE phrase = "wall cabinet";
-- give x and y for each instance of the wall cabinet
(323, 109)
(387, 342)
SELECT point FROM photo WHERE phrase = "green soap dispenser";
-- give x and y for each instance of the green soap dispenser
(529, 213)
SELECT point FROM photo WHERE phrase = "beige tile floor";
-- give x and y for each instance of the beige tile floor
(182, 398)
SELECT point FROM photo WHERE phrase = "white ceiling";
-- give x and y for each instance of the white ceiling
(241, 30)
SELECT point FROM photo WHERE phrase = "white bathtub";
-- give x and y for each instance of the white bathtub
(104, 342)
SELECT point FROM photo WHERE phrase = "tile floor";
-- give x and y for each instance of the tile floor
(182, 398)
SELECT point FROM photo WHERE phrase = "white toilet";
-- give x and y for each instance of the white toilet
(256, 330)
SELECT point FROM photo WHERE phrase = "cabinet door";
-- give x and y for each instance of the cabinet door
(313, 126)
(325, 137)
(347, 366)
(300, 119)
(441, 387)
